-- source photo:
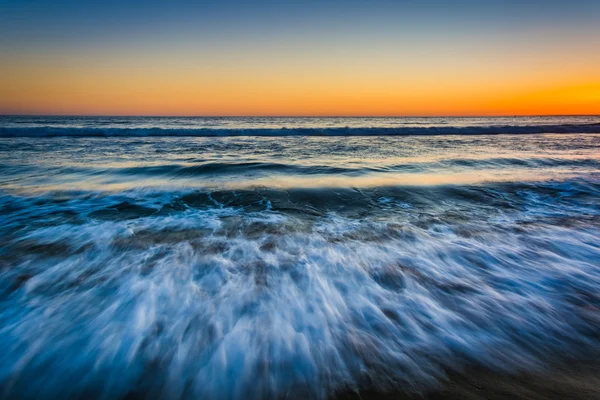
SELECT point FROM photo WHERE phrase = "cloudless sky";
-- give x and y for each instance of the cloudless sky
(329, 57)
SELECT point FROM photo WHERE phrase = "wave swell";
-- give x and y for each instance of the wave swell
(334, 131)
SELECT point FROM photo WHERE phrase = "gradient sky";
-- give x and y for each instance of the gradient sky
(330, 57)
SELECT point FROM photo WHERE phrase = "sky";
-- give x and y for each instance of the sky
(329, 57)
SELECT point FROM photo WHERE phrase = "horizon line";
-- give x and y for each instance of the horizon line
(295, 116)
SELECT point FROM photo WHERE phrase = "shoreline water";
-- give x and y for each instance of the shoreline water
(567, 382)
(443, 267)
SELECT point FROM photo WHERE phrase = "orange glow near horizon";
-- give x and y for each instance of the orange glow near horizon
(273, 58)
(291, 86)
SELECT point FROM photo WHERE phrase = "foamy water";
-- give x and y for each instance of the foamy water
(258, 267)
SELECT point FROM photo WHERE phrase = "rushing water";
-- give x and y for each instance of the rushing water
(291, 267)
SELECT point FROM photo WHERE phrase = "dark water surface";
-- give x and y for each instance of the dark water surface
(292, 267)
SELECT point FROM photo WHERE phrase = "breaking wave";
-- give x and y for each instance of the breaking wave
(292, 293)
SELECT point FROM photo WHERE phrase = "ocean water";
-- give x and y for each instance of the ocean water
(246, 258)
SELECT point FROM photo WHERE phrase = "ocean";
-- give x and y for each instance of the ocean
(279, 258)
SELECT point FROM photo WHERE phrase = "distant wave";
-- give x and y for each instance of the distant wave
(256, 169)
(212, 168)
(337, 131)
